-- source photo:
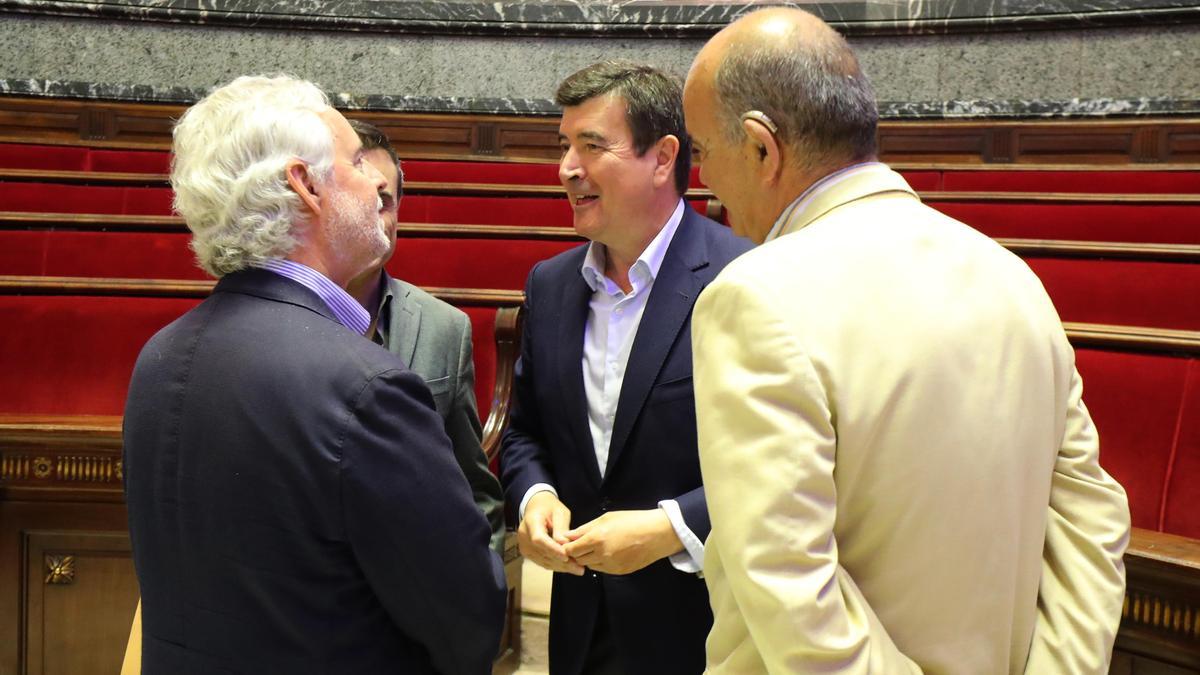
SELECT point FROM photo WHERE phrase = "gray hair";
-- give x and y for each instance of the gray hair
(228, 164)
(814, 91)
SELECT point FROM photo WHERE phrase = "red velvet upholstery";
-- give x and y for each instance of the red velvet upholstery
(923, 180)
(1181, 511)
(513, 173)
(1136, 402)
(1123, 292)
(23, 253)
(74, 355)
(526, 211)
(130, 161)
(58, 198)
(133, 255)
(483, 346)
(69, 158)
(77, 352)
(1154, 182)
(470, 263)
(1149, 223)
(43, 157)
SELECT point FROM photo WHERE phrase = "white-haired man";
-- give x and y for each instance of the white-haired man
(294, 503)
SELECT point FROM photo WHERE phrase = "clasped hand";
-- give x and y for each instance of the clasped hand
(618, 542)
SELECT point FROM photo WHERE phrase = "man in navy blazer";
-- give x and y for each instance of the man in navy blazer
(294, 502)
(599, 461)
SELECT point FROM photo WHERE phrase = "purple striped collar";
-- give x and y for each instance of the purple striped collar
(344, 307)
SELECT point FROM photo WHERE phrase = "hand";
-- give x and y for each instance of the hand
(620, 542)
(541, 534)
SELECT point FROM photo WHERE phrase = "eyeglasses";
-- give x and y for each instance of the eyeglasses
(761, 118)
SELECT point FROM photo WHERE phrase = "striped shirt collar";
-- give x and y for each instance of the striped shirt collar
(817, 189)
(344, 307)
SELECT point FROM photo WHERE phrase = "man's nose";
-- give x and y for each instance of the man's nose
(569, 167)
(376, 176)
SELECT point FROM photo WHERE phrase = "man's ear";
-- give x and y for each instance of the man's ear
(666, 151)
(764, 144)
(300, 179)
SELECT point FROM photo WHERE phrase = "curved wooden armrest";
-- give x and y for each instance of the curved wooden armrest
(508, 347)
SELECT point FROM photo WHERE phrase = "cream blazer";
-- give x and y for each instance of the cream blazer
(900, 469)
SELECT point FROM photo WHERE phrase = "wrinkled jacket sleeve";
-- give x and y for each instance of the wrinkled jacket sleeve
(416, 533)
(1083, 570)
(524, 461)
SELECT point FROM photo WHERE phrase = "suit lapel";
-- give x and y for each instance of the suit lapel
(667, 310)
(573, 313)
(405, 321)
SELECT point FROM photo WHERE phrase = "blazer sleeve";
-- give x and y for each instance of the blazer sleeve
(420, 540)
(1083, 570)
(767, 450)
(464, 429)
(524, 461)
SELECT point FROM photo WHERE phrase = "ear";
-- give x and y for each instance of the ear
(666, 151)
(300, 179)
(766, 147)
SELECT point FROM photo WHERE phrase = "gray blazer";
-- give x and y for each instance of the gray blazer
(434, 340)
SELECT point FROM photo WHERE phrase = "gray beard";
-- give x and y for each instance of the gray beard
(356, 228)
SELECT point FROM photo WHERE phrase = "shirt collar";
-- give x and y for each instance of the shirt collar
(645, 268)
(817, 189)
(345, 308)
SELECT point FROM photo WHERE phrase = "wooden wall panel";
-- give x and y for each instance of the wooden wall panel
(1134, 141)
(1182, 145)
(80, 594)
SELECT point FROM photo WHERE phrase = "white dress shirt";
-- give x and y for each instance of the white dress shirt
(612, 323)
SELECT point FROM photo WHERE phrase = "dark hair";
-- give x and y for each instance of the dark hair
(373, 138)
(812, 88)
(653, 105)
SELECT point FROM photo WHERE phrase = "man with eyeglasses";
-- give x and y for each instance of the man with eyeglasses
(901, 474)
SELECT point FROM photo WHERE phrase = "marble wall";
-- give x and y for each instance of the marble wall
(1092, 71)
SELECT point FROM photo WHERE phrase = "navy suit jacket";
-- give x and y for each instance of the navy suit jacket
(294, 503)
(659, 616)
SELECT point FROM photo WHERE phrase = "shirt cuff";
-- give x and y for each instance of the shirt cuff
(691, 558)
(533, 490)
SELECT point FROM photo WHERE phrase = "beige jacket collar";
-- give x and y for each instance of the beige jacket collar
(837, 189)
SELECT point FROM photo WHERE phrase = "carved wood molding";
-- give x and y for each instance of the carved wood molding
(91, 221)
(60, 569)
(41, 455)
(1061, 248)
(480, 136)
(1124, 338)
(1161, 614)
(47, 469)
